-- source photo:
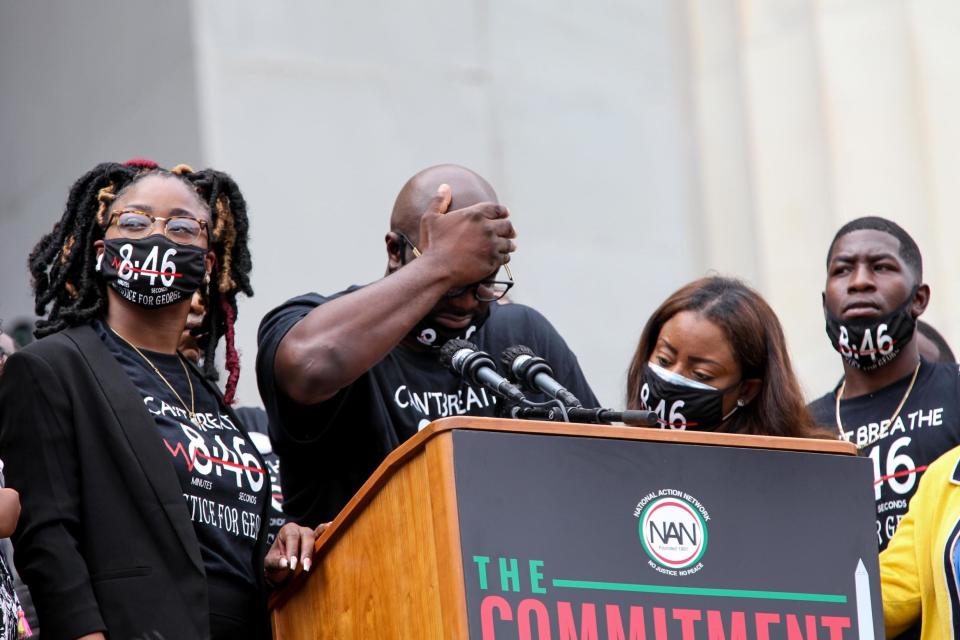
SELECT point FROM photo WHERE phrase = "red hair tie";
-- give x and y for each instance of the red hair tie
(141, 163)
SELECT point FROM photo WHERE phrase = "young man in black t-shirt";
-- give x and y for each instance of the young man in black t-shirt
(347, 378)
(903, 412)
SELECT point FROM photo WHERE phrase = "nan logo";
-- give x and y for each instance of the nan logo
(673, 531)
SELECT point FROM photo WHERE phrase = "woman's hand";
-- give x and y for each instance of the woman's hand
(293, 544)
(9, 512)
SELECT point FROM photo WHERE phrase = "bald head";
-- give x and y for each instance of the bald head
(467, 188)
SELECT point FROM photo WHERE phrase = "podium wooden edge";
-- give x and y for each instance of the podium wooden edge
(447, 545)
(401, 454)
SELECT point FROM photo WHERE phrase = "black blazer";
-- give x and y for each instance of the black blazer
(104, 541)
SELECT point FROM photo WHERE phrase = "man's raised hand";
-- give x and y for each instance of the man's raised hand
(470, 243)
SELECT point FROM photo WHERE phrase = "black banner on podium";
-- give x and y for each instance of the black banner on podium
(582, 538)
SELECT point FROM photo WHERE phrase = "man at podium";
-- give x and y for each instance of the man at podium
(346, 378)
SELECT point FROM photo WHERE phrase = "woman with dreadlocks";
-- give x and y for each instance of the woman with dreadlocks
(143, 501)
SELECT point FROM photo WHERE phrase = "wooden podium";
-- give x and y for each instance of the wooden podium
(486, 528)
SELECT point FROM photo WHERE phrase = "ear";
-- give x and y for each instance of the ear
(749, 390)
(209, 262)
(395, 249)
(920, 301)
(198, 305)
(99, 247)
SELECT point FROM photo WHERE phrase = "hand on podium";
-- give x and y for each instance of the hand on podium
(293, 544)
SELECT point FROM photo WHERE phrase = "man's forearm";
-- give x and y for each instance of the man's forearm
(338, 341)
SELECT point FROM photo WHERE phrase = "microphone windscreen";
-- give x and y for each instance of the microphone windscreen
(451, 347)
(512, 353)
(639, 418)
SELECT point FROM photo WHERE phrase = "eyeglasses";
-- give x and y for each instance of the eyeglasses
(483, 291)
(136, 225)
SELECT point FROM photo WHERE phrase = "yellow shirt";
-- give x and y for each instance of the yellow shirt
(918, 568)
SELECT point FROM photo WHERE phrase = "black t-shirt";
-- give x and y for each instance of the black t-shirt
(927, 427)
(221, 475)
(328, 450)
(258, 429)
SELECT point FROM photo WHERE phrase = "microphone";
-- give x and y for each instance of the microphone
(467, 361)
(632, 417)
(526, 368)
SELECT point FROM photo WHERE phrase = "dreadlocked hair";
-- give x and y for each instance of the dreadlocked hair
(68, 292)
(231, 271)
(62, 263)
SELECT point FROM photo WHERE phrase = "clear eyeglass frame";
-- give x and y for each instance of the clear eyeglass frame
(183, 230)
(483, 291)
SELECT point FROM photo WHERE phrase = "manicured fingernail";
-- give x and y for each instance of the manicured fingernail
(306, 564)
(283, 562)
(293, 562)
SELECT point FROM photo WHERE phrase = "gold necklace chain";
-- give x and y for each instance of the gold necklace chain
(192, 409)
(896, 412)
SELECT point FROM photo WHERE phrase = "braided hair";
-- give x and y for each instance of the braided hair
(63, 263)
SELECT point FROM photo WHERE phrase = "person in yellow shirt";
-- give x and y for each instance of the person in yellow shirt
(920, 567)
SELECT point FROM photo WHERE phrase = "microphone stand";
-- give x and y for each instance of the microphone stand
(556, 411)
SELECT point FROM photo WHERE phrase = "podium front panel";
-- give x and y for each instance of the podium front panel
(581, 537)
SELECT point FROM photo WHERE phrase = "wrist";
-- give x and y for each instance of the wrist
(270, 584)
(433, 272)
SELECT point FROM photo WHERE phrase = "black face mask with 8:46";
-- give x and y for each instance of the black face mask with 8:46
(152, 272)
(870, 343)
(682, 403)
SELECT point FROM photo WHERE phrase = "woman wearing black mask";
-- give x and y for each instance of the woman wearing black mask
(713, 358)
(144, 502)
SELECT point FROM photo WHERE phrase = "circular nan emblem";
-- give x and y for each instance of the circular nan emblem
(673, 532)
